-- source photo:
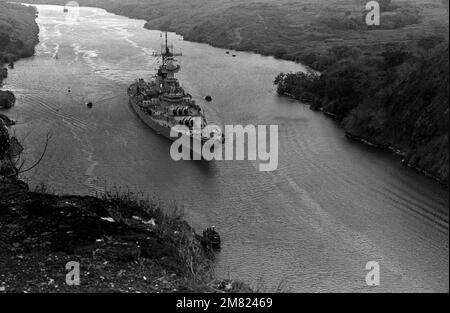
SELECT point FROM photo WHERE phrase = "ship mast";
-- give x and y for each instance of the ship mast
(167, 50)
(167, 46)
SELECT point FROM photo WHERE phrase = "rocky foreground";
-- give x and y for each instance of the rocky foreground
(120, 247)
(121, 243)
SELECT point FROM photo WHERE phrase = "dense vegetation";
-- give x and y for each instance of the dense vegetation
(398, 98)
(18, 32)
(18, 37)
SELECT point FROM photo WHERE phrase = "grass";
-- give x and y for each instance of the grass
(172, 229)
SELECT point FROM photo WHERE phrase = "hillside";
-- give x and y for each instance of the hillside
(398, 99)
(412, 115)
(18, 32)
(18, 38)
(300, 30)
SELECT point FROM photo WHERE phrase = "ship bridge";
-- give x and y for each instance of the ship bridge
(170, 67)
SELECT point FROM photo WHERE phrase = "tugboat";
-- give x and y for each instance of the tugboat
(211, 238)
(162, 103)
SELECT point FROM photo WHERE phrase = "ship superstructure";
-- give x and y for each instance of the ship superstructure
(162, 103)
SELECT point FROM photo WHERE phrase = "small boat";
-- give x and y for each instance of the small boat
(234, 55)
(211, 238)
(66, 10)
(89, 104)
(208, 98)
(228, 52)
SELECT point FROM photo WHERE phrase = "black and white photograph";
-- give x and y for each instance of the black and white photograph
(216, 155)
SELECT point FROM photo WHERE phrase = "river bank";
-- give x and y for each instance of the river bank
(306, 32)
(396, 100)
(120, 244)
(399, 152)
(18, 39)
(18, 34)
(121, 241)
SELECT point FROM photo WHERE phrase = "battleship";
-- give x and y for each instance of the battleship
(163, 104)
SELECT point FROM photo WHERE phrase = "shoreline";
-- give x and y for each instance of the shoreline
(120, 242)
(396, 152)
(383, 147)
(28, 40)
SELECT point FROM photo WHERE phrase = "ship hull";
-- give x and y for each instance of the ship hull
(161, 129)
(158, 128)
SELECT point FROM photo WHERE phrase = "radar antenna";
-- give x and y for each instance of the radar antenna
(167, 50)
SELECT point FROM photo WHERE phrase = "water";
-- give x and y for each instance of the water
(312, 225)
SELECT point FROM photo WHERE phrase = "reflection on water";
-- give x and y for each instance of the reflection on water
(331, 207)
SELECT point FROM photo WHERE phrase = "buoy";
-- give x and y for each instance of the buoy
(208, 98)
